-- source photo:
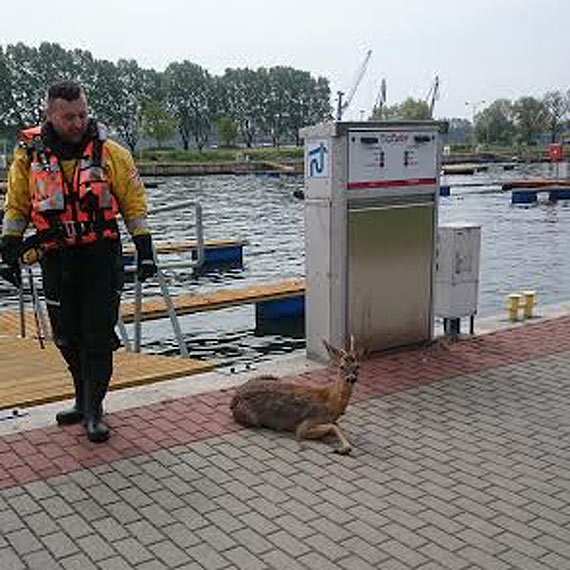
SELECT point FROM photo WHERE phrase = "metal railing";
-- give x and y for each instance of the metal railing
(41, 323)
(193, 264)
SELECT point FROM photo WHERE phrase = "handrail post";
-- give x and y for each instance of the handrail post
(22, 311)
(138, 309)
(199, 235)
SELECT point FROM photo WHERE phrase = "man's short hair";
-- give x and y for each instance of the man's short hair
(66, 89)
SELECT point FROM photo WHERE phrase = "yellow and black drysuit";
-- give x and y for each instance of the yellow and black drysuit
(72, 195)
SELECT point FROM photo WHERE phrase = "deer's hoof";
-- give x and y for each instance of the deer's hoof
(343, 450)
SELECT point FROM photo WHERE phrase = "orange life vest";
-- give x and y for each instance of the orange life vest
(81, 210)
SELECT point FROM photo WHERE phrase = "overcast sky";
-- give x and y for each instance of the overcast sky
(481, 49)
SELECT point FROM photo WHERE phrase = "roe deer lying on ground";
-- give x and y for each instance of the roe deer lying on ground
(308, 409)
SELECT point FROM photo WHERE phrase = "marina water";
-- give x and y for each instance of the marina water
(521, 248)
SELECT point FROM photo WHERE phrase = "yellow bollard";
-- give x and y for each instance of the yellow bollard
(513, 304)
(529, 302)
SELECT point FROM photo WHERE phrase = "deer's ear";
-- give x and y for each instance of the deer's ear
(334, 353)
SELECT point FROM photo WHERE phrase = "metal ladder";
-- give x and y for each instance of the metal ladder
(42, 329)
(194, 264)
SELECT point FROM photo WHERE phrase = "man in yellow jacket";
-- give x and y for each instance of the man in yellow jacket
(70, 181)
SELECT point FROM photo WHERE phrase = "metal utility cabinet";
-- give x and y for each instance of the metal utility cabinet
(371, 193)
(457, 270)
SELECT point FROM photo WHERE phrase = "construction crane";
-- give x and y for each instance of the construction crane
(343, 105)
(380, 100)
(433, 95)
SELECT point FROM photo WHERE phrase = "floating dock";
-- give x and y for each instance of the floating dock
(535, 183)
(187, 303)
(32, 376)
(530, 195)
(220, 251)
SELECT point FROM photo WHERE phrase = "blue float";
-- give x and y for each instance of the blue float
(280, 308)
(524, 197)
(445, 190)
(222, 254)
(559, 194)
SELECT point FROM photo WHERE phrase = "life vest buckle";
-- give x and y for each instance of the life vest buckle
(73, 229)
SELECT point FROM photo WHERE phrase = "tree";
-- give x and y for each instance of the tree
(307, 101)
(29, 71)
(556, 105)
(121, 92)
(191, 100)
(459, 131)
(227, 131)
(243, 95)
(411, 109)
(495, 124)
(156, 122)
(530, 118)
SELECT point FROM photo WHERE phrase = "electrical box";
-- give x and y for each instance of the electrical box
(457, 270)
(371, 195)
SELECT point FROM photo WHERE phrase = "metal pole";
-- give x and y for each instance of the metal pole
(172, 315)
(123, 333)
(138, 307)
(199, 235)
(35, 303)
(22, 311)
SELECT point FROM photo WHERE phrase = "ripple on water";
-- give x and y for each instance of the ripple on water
(522, 248)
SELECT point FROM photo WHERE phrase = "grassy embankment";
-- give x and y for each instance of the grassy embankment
(285, 155)
(291, 155)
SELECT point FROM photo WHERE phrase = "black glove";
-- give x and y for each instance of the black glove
(146, 267)
(9, 265)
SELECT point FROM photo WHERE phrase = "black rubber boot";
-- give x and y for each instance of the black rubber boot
(97, 370)
(96, 429)
(69, 417)
(73, 415)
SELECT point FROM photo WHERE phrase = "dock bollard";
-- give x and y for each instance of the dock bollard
(529, 302)
(513, 304)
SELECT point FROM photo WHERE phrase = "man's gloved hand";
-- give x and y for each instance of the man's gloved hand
(9, 265)
(146, 266)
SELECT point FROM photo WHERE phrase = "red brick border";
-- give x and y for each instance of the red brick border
(40, 453)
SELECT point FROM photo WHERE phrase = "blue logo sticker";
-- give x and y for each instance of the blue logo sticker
(318, 160)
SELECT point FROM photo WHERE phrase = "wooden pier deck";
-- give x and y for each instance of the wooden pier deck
(32, 376)
(184, 304)
(188, 303)
(535, 183)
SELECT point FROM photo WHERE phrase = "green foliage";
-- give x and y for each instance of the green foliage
(496, 123)
(227, 131)
(272, 102)
(530, 117)
(410, 110)
(281, 155)
(157, 123)
(556, 105)
(191, 98)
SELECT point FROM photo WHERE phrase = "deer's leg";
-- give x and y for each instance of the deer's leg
(307, 431)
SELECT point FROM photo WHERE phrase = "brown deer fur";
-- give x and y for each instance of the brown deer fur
(308, 409)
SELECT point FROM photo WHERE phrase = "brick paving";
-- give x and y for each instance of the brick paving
(461, 460)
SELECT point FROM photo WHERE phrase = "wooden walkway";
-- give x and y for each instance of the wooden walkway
(184, 304)
(32, 376)
(187, 303)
